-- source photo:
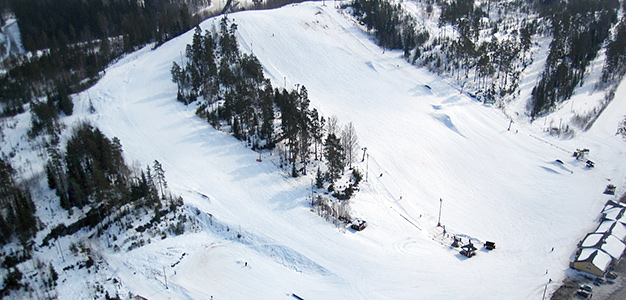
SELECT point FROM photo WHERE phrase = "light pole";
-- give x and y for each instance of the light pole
(311, 192)
(367, 167)
(439, 220)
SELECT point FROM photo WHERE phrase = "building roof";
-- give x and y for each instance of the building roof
(612, 204)
(592, 240)
(598, 258)
(585, 254)
(605, 242)
(615, 228)
(601, 260)
(613, 246)
(614, 211)
(619, 231)
(605, 226)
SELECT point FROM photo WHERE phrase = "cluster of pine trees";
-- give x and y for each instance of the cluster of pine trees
(234, 94)
(68, 69)
(494, 64)
(92, 178)
(621, 129)
(91, 175)
(45, 113)
(579, 30)
(92, 172)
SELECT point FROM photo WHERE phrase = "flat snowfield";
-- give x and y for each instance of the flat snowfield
(426, 141)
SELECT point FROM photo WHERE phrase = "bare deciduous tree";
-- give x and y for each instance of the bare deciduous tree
(349, 142)
(332, 125)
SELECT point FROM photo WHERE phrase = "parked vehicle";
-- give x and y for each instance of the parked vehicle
(610, 189)
(583, 293)
(611, 275)
(586, 287)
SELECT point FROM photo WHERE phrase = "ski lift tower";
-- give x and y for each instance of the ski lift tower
(439, 220)
(367, 163)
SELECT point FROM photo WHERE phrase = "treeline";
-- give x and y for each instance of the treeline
(59, 71)
(234, 95)
(391, 25)
(17, 210)
(579, 30)
(49, 24)
(75, 40)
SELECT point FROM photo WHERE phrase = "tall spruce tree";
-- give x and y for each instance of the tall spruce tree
(333, 152)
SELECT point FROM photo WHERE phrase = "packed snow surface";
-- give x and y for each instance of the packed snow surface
(427, 144)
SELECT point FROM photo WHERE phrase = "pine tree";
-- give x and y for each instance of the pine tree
(44, 117)
(304, 129)
(63, 100)
(54, 276)
(317, 130)
(267, 114)
(319, 179)
(334, 157)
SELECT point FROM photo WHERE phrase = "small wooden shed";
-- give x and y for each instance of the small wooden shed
(359, 224)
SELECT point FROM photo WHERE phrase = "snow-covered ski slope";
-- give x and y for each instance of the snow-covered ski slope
(424, 144)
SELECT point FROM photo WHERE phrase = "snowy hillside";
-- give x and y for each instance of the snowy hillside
(256, 236)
